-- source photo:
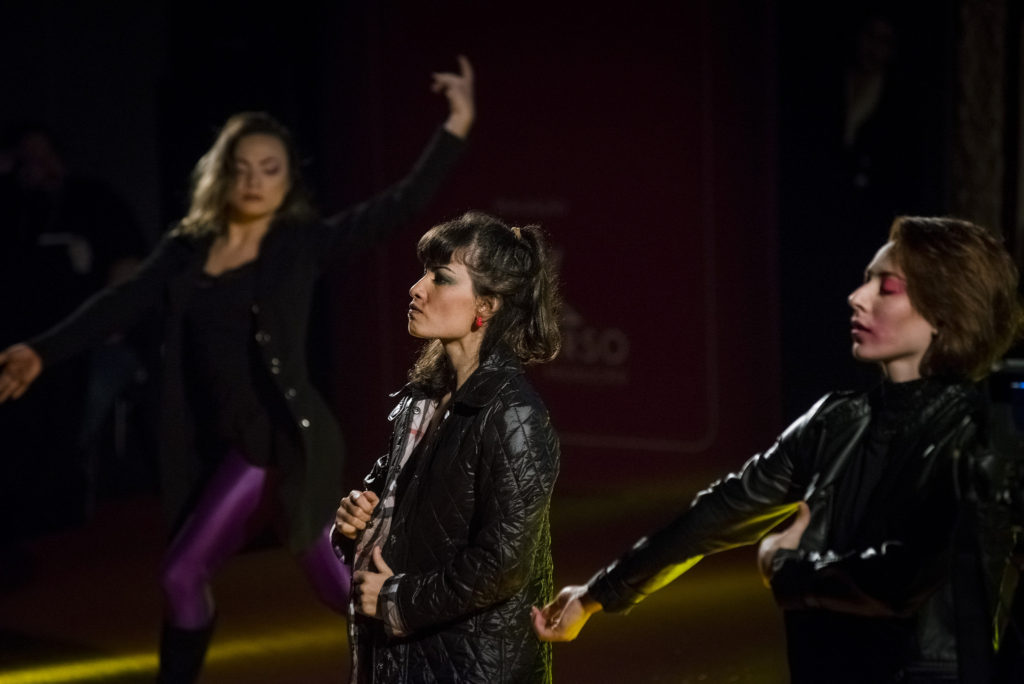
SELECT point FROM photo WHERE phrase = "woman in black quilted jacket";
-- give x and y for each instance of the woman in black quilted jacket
(452, 542)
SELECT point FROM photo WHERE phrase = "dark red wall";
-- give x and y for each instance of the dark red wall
(644, 143)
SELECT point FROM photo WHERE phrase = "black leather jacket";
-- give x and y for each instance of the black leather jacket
(470, 542)
(900, 584)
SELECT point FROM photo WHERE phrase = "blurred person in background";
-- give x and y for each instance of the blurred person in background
(245, 440)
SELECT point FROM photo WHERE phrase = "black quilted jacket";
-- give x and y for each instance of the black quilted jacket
(470, 542)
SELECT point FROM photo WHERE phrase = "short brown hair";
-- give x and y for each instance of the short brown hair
(962, 280)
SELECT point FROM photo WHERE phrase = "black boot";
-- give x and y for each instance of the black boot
(182, 652)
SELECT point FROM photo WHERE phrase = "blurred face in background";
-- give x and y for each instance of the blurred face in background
(262, 178)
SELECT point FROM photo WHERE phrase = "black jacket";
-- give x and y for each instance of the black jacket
(470, 541)
(896, 593)
(291, 259)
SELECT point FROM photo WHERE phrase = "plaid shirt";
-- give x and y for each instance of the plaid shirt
(379, 527)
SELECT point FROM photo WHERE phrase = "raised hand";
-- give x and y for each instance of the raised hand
(354, 512)
(458, 88)
(563, 618)
(21, 365)
(789, 538)
(366, 585)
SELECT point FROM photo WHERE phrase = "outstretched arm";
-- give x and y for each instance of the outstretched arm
(377, 218)
(739, 509)
(108, 311)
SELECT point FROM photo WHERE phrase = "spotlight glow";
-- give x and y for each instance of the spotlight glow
(94, 669)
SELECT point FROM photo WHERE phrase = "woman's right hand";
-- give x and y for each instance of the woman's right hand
(563, 618)
(354, 512)
(21, 365)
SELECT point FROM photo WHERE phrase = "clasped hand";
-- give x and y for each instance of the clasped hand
(354, 512)
(788, 538)
(366, 585)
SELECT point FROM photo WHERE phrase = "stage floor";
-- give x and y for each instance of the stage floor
(86, 606)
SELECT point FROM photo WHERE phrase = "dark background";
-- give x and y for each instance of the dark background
(686, 160)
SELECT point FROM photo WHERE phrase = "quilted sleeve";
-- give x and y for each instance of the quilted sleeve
(515, 476)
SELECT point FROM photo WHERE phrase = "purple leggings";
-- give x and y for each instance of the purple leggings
(237, 503)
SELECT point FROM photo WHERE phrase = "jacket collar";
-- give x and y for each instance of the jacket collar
(483, 384)
(490, 376)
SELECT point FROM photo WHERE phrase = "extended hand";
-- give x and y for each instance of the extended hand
(458, 88)
(789, 538)
(354, 512)
(563, 618)
(21, 365)
(367, 585)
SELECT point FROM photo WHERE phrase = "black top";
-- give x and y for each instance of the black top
(292, 256)
(231, 393)
(870, 473)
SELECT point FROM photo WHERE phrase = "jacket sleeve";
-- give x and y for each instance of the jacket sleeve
(736, 510)
(377, 218)
(517, 471)
(115, 308)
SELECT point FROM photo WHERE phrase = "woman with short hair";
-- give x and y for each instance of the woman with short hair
(902, 505)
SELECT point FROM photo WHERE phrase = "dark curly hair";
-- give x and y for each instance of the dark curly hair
(963, 281)
(510, 264)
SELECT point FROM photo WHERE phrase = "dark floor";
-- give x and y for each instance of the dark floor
(86, 607)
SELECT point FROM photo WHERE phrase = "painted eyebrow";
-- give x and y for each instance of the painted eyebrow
(868, 273)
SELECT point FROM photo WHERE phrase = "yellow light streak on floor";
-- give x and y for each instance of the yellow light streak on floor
(94, 669)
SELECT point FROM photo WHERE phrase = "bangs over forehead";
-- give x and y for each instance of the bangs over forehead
(446, 243)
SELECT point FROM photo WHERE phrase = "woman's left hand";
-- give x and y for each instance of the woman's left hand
(458, 88)
(789, 538)
(367, 585)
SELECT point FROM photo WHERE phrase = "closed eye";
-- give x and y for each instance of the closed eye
(892, 285)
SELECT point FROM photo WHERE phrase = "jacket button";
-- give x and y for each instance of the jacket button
(276, 370)
(262, 336)
(290, 393)
(304, 422)
(255, 308)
